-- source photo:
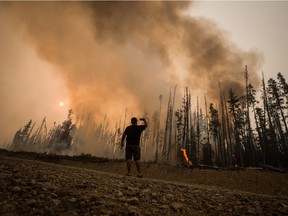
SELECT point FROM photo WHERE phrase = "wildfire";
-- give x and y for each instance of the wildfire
(189, 162)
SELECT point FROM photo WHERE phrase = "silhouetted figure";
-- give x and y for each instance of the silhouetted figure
(132, 134)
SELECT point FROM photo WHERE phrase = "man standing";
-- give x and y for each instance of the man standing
(132, 134)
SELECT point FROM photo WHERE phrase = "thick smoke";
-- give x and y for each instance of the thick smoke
(115, 56)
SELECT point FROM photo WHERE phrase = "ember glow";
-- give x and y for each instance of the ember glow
(189, 162)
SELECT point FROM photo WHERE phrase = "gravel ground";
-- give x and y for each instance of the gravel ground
(29, 187)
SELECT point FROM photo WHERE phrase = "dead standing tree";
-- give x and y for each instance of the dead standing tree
(236, 113)
(158, 129)
(249, 132)
(214, 128)
(167, 145)
(21, 138)
(184, 131)
(207, 147)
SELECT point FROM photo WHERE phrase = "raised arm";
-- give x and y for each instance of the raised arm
(145, 122)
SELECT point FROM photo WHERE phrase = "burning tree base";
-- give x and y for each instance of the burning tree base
(188, 162)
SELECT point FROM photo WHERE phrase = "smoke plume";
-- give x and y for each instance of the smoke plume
(115, 56)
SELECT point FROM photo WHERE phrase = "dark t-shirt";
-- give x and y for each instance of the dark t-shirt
(133, 133)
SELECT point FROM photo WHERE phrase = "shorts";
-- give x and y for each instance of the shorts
(133, 151)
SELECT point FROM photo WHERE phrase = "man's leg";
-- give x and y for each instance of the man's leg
(129, 164)
(128, 157)
(138, 165)
(137, 157)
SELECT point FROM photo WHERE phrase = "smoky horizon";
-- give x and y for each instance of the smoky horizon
(109, 57)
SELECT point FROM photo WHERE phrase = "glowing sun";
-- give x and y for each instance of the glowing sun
(61, 104)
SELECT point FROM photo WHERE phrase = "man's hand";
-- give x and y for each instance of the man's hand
(144, 120)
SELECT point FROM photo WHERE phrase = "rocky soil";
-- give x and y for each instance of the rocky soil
(31, 187)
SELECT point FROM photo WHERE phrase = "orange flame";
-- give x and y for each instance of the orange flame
(186, 157)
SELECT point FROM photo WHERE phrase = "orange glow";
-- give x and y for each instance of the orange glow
(189, 162)
(61, 103)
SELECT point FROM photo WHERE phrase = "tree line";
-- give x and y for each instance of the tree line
(240, 131)
(237, 131)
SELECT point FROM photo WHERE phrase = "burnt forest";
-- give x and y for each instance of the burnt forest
(238, 130)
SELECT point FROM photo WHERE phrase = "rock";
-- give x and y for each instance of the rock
(164, 207)
(56, 202)
(133, 201)
(252, 211)
(16, 189)
(94, 197)
(34, 192)
(154, 195)
(31, 202)
(285, 206)
(33, 182)
(154, 201)
(53, 195)
(72, 200)
(145, 191)
(132, 211)
(81, 185)
(169, 196)
(119, 194)
(47, 186)
(176, 206)
(61, 192)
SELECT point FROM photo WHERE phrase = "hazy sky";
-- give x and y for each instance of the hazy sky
(29, 85)
(260, 25)
(53, 54)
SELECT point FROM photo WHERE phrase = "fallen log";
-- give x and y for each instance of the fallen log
(272, 168)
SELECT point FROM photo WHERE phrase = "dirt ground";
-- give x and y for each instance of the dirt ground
(248, 180)
(256, 181)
